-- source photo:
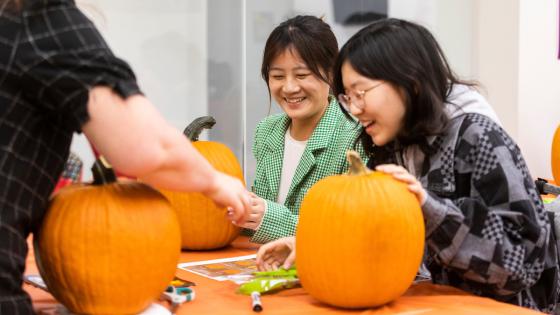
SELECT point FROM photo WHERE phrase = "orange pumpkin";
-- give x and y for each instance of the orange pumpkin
(360, 238)
(555, 156)
(204, 225)
(108, 247)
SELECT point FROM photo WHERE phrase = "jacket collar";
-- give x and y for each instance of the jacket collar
(320, 137)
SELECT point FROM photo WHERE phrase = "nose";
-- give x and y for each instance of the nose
(355, 110)
(290, 86)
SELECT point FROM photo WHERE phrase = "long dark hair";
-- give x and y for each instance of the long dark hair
(311, 37)
(407, 56)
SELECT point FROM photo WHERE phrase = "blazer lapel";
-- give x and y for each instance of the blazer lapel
(273, 158)
(318, 141)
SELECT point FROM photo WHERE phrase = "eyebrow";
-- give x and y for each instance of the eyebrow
(351, 87)
(357, 82)
(360, 81)
(295, 68)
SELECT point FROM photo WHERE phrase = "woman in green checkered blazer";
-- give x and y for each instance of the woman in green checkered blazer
(308, 141)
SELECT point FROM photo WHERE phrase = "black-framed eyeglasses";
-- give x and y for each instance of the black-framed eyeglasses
(355, 99)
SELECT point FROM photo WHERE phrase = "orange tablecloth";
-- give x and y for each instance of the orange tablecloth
(214, 297)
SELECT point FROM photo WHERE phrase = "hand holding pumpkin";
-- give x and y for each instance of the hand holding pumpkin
(280, 252)
(400, 173)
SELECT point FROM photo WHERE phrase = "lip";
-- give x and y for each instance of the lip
(368, 127)
(367, 124)
(294, 102)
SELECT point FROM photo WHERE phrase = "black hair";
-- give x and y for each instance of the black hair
(407, 56)
(311, 37)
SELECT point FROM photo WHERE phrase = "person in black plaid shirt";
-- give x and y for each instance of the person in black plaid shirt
(57, 77)
(486, 228)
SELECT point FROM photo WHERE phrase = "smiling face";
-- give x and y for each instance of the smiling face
(302, 95)
(384, 106)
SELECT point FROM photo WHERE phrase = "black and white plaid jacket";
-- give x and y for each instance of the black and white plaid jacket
(486, 228)
(51, 55)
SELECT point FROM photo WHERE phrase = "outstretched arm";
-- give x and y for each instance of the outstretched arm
(137, 140)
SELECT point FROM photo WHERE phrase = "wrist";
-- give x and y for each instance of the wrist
(212, 183)
(265, 207)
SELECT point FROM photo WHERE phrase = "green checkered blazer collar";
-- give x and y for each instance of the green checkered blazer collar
(320, 139)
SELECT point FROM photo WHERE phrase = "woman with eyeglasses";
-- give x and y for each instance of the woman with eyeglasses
(486, 229)
(306, 142)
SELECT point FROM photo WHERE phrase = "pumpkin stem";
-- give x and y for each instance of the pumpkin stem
(102, 172)
(194, 129)
(357, 167)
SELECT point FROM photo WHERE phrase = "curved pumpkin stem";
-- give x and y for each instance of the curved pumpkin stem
(357, 167)
(194, 129)
(102, 172)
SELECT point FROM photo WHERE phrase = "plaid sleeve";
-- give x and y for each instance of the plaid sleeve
(62, 57)
(499, 235)
(278, 221)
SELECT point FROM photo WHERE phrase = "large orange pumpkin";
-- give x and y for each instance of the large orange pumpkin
(204, 225)
(108, 247)
(360, 238)
(555, 156)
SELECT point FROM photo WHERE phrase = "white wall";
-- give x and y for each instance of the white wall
(325, 8)
(511, 48)
(165, 42)
(450, 21)
(539, 82)
(496, 57)
(516, 61)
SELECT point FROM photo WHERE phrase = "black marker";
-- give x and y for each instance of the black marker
(256, 298)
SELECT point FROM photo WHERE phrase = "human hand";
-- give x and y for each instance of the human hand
(400, 173)
(281, 252)
(256, 212)
(228, 191)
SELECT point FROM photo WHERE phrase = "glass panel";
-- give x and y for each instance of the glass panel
(187, 55)
(203, 57)
(225, 73)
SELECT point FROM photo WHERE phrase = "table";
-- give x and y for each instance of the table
(214, 297)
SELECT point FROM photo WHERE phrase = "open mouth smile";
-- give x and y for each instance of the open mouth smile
(294, 100)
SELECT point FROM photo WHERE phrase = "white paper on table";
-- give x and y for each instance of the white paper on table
(237, 269)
